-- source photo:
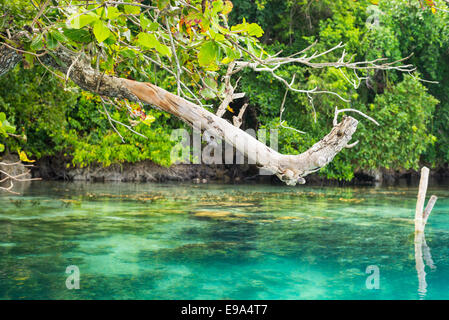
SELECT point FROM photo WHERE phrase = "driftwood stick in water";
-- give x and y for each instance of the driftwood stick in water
(421, 216)
(423, 182)
(429, 208)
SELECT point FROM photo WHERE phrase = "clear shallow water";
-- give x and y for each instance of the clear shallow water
(166, 241)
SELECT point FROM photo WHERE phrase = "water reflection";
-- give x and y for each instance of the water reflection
(422, 258)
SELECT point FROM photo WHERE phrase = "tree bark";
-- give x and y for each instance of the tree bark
(289, 168)
(8, 59)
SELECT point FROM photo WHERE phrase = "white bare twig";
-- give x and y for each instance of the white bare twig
(17, 177)
(352, 145)
(272, 63)
(9, 189)
(178, 68)
(71, 67)
(281, 122)
(111, 120)
(229, 90)
(337, 111)
(237, 120)
(10, 177)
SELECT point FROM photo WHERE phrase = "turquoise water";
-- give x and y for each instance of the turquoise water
(172, 241)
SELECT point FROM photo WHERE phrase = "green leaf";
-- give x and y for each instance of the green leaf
(144, 22)
(149, 41)
(132, 9)
(30, 59)
(208, 54)
(79, 21)
(2, 147)
(227, 7)
(251, 49)
(221, 90)
(240, 27)
(163, 49)
(217, 6)
(255, 30)
(101, 31)
(113, 13)
(101, 13)
(211, 83)
(216, 35)
(37, 43)
(207, 93)
(146, 40)
(78, 35)
(111, 40)
(153, 26)
(128, 53)
(2, 117)
(9, 127)
(59, 36)
(231, 54)
(52, 43)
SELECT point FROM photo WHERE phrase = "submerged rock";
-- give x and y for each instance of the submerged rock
(213, 214)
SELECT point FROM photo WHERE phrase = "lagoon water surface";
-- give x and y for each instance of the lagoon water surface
(184, 241)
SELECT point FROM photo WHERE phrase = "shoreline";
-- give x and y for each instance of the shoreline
(54, 168)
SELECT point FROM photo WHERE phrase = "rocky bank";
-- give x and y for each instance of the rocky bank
(55, 168)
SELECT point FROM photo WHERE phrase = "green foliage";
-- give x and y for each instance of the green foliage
(35, 103)
(426, 34)
(403, 112)
(15, 13)
(132, 41)
(103, 145)
(68, 122)
(401, 105)
(5, 130)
